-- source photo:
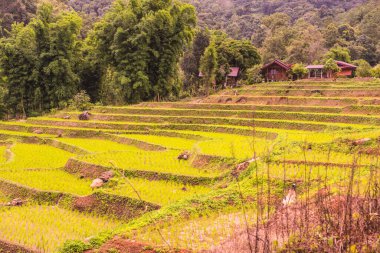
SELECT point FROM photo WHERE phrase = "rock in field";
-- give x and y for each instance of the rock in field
(97, 183)
(38, 131)
(361, 141)
(106, 176)
(184, 156)
(16, 202)
(84, 116)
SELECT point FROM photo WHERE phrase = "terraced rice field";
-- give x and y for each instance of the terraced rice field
(302, 132)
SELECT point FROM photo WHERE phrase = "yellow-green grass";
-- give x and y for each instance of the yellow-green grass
(19, 134)
(162, 162)
(368, 133)
(311, 178)
(198, 233)
(318, 116)
(3, 155)
(46, 228)
(48, 180)
(36, 156)
(177, 107)
(326, 157)
(228, 145)
(158, 192)
(241, 147)
(3, 198)
(168, 142)
(26, 127)
(288, 135)
(96, 145)
(220, 121)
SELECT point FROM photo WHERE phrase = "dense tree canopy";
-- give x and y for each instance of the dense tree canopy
(39, 61)
(140, 44)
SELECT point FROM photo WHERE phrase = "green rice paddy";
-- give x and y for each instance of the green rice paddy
(296, 136)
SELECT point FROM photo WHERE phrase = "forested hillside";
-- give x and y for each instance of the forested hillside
(135, 50)
(241, 18)
(304, 31)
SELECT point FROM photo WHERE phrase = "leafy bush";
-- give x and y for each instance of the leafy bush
(375, 71)
(81, 101)
(74, 246)
(332, 66)
(364, 68)
(299, 70)
(254, 75)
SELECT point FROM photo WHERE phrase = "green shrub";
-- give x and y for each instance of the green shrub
(375, 71)
(74, 246)
(81, 101)
(364, 69)
(254, 75)
(299, 70)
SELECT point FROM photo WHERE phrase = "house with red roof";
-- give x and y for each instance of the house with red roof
(232, 77)
(318, 71)
(276, 71)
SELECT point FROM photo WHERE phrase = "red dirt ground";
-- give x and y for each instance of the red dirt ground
(129, 246)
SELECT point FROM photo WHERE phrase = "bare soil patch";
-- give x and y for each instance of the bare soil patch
(128, 246)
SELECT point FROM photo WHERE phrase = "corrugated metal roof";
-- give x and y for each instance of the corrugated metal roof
(345, 64)
(280, 63)
(315, 67)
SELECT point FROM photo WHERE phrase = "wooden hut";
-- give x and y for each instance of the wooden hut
(232, 77)
(276, 71)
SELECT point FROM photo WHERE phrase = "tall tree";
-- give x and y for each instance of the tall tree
(209, 67)
(141, 42)
(44, 55)
(339, 53)
(18, 61)
(190, 63)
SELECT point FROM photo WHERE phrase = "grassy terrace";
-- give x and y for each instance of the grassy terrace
(157, 191)
(162, 162)
(98, 146)
(48, 180)
(368, 93)
(294, 131)
(187, 123)
(34, 156)
(243, 115)
(188, 109)
(46, 227)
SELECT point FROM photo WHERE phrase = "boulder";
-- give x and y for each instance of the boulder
(242, 167)
(16, 202)
(106, 176)
(97, 183)
(239, 168)
(184, 156)
(361, 141)
(38, 131)
(242, 100)
(67, 117)
(228, 100)
(84, 116)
